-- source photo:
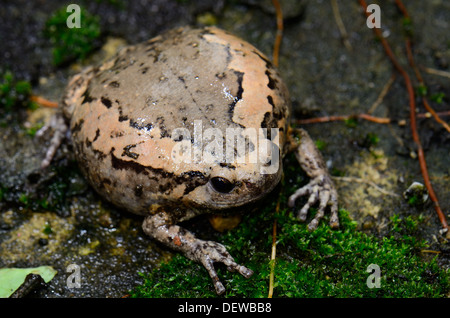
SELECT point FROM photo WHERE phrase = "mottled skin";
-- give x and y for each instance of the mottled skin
(122, 116)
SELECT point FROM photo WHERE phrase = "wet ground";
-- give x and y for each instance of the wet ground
(325, 75)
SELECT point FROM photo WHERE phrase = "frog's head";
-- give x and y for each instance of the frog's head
(242, 172)
(231, 186)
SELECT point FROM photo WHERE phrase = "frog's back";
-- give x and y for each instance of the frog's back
(123, 113)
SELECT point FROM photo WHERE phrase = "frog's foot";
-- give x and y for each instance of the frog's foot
(58, 126)
(209, 252)
(320, 190)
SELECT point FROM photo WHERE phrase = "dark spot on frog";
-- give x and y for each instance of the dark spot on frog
(155, 53)
(105, 101)
(240, 77)
(101, 183)
(272, 82)
(77, 127)
(140, 127)
(138, 190)
(221, 75)
(127, 152)
(269, 64)
(114, 84)
(122, 117)
(196, 55)
(164, 133)
(192, 179)
(120, 164)
(97, 134)
(229, 56)
(79, 82)
(275, 114)
(178, 138)
(144, 70)
(99, 154)
(270, 100)
(227, 165)
(268, 123)
(87, 98)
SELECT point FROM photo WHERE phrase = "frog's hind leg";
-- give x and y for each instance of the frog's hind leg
(59, 128)
(158, 226)
(320, 189)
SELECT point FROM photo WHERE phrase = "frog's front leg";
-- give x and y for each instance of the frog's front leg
(159, 227)
(320, 189)
(59, 128)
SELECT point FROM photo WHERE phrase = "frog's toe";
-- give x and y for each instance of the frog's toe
(334, 219)
(59, 127)
(299, 193)
(322, 192)
(244, 271)
(209, 266)
(212, 252)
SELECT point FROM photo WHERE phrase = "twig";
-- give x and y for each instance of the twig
(436, 72)
(430, 251)
(412, 107)
(378, 120)
(421, 82)
(383, 93)
(435, 114)
(279, 35)
(43, 102)
(340, 24)
(274, 252)
(419, 77)
(276, 51)
(428, 115)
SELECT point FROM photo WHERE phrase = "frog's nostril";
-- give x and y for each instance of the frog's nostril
(222, 185)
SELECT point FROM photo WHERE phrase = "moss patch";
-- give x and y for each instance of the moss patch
(323, 263)
(14, 94)
(72, 43)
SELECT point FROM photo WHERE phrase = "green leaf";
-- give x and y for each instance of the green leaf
(12, 278)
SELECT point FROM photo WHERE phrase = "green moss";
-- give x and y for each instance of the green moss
(31, 131)
(14, 94)
(323, 263)
(320, 144)
(438, 97)
(351, 123)
(407, 26)
(71, 43)
(371, 139)
(47, 229)
(422, 90)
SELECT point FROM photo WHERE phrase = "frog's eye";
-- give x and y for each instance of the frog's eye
(221, 185)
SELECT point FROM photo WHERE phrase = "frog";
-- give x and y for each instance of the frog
(134, 125)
